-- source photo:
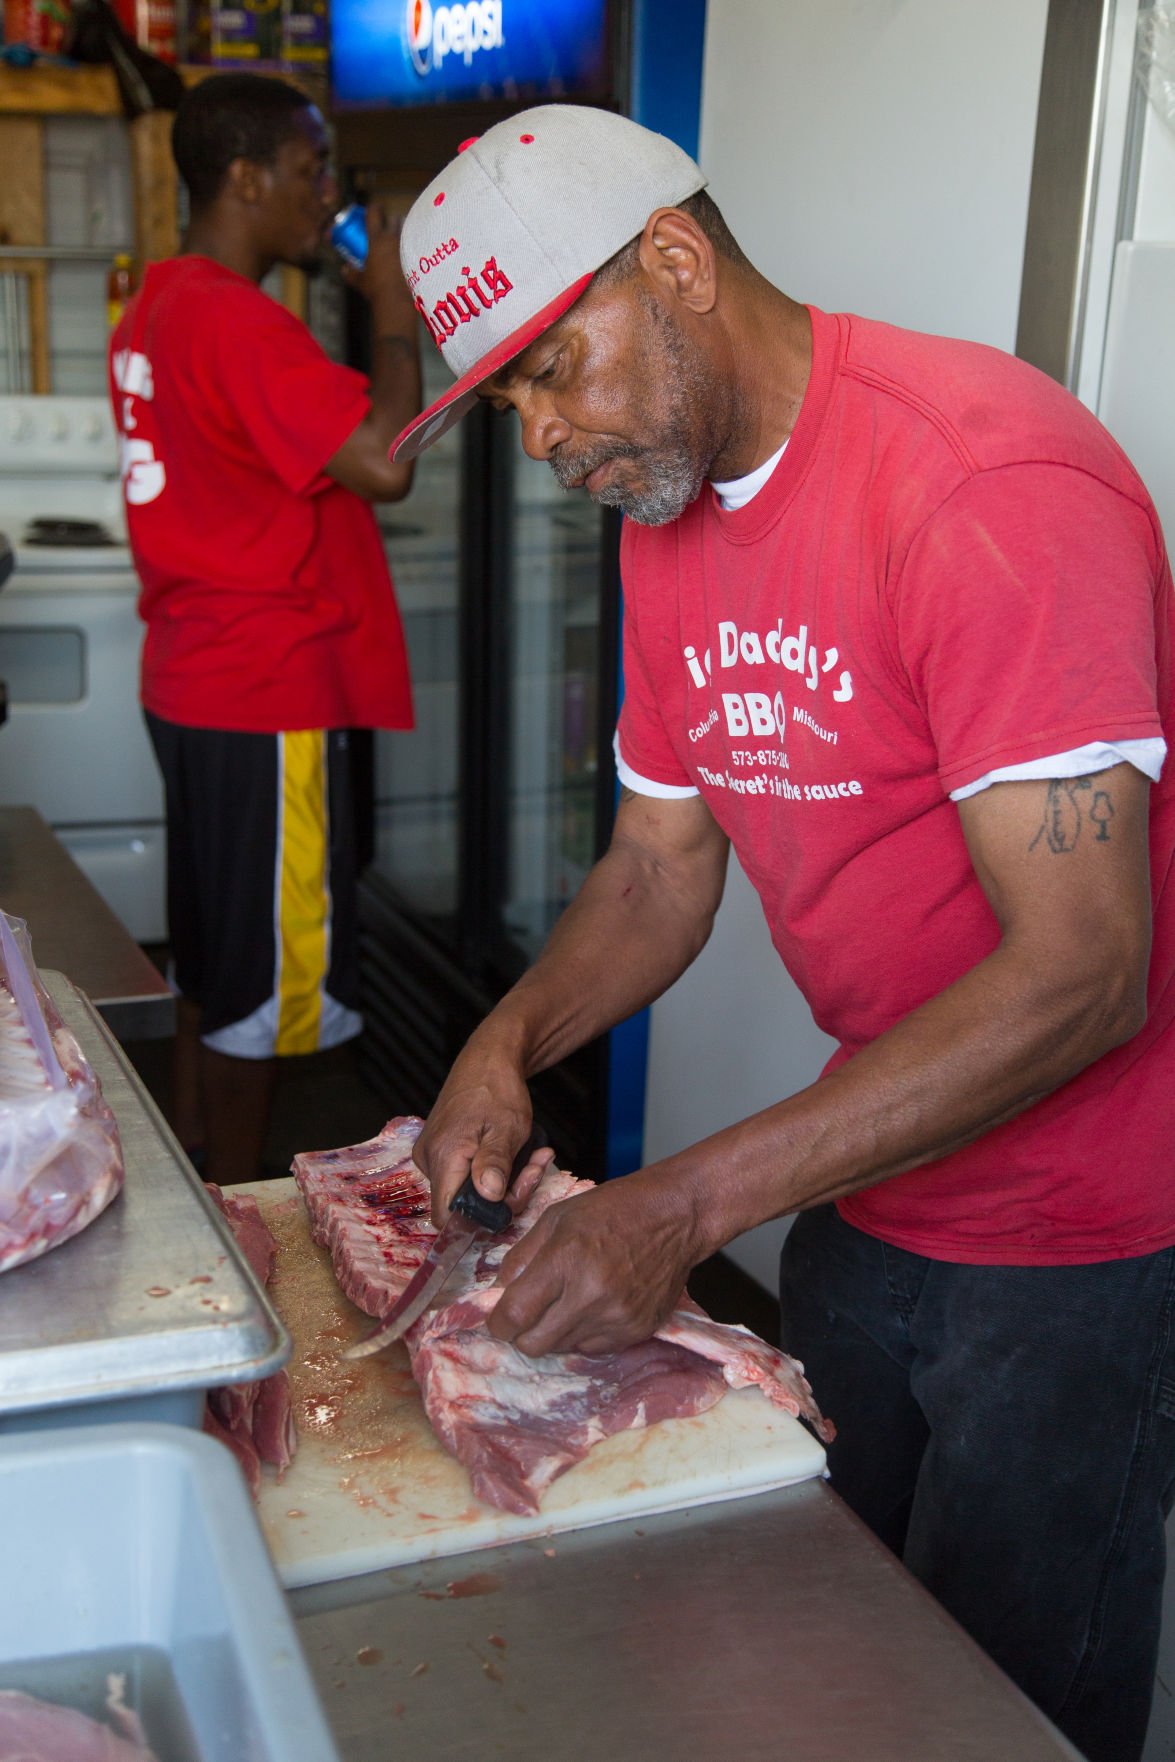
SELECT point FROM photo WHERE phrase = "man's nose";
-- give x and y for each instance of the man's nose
(543, 429)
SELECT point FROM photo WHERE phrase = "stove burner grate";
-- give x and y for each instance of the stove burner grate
(58, 533)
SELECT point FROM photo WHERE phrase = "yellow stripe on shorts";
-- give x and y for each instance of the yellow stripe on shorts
(303, 903)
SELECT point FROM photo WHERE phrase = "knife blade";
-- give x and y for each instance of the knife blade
(471, 1218)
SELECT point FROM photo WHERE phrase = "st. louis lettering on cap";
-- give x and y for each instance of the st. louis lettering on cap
(510, 233)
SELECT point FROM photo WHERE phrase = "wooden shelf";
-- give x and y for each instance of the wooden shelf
(93, 91)
(59, 91)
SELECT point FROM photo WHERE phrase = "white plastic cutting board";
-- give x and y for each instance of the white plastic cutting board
(372, 1487)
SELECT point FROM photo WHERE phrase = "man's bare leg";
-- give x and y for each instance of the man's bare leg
(237, 1094)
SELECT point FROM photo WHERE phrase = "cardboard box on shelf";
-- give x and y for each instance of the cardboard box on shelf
(247, 34)
(305, 39)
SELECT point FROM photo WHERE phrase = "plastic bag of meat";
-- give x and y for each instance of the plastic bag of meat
(60, 1156)
(40, 1731)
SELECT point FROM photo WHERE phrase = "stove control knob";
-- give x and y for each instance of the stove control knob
(20, 424)
(59, 427)
(92, 428)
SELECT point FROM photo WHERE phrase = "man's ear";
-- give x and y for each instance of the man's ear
(676, 254)
(247, 181)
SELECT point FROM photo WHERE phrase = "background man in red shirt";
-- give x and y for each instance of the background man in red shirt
(249, 461)
(897, 628)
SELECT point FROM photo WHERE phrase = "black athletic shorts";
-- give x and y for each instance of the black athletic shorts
(261, 885)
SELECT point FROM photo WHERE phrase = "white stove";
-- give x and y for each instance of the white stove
(74, 745)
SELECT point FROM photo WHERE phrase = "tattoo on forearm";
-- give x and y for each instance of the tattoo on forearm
(1069, 803)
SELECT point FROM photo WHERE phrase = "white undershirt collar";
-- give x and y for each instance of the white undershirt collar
(740, 490)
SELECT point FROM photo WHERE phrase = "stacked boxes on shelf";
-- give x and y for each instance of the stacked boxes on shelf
(259, 34)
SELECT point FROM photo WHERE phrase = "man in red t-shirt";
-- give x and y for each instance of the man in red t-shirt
(249, 460)
(897, 628)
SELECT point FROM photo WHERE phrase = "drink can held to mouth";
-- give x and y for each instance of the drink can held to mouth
(348, 235)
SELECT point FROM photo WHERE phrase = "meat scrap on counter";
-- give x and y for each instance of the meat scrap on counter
(517, 1423)
(60, 1155)
(254, 1420)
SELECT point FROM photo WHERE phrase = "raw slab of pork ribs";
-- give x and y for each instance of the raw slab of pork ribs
(516, 1423)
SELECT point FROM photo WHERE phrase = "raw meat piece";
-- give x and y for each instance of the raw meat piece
(60, 1156)
(517, 1423)
(274, 1432)
(369, 1204)
(254, 1420)
(38, 1731)
(747, 1360)
(250, 1230)
(238, 1440)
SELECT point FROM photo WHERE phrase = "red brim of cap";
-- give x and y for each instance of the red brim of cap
(440, 417)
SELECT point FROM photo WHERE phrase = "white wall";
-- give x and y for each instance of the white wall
(731, 1038)
(871, 156)
(875, 155)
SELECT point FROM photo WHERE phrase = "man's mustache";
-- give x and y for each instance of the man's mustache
(571, 469)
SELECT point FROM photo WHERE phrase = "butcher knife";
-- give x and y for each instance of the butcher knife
(471, 1218)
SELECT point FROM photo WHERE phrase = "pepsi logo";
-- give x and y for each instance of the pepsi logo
(418, 18)
(434, 33)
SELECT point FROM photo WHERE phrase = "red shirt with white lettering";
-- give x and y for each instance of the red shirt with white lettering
(952, 568)
(265, 588)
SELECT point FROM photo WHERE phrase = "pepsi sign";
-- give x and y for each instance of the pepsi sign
(406, 52)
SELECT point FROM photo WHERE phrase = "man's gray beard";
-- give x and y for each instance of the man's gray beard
(679, 482)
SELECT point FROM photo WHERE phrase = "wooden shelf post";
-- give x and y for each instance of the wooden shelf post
(22, 222)
(156, 187)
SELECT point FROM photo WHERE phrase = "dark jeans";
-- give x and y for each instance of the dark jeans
(1010, 1433)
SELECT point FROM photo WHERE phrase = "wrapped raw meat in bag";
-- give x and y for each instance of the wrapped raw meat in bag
(60, 1156)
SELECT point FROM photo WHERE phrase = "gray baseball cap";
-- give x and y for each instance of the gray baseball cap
(511, 232)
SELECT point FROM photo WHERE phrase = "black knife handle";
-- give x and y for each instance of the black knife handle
(495, 1214)
(489, 1214)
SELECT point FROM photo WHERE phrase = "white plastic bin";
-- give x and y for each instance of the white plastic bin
(136, 1547)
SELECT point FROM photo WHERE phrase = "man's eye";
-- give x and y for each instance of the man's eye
(547, 372)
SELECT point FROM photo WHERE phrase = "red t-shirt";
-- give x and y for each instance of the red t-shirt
(265, 589)
(952, 568)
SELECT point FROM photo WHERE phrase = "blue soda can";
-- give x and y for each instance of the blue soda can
(348, 235)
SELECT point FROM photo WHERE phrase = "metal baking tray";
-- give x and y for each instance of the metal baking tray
(150, 1304)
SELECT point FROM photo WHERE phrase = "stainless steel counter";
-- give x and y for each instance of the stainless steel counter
(75, 932)
(768, 1629)
(153, 1302)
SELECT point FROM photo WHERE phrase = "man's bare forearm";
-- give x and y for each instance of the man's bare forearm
(395, 364)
